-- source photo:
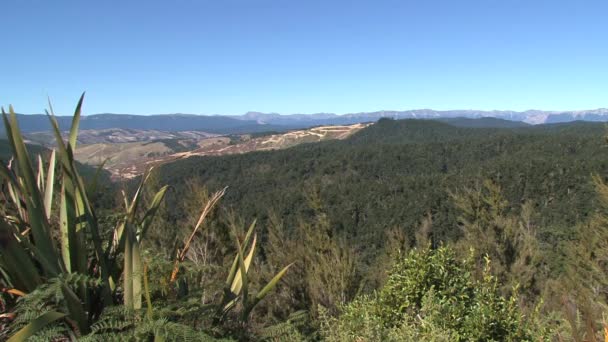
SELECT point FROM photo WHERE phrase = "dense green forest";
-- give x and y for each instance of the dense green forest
(368, 196)
(408, 230)
(395, 173)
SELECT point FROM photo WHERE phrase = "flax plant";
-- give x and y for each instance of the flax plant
(41, 244)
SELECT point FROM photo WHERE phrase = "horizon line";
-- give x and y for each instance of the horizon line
(343, 114)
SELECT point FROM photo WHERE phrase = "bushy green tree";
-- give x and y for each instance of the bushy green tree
(432, 295)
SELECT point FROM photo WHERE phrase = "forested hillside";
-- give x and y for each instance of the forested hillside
(394, 173)
(524, 197)
(406, 230)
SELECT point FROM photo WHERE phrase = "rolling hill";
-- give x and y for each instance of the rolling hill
(118, 135)
(395, 172)
(130, 159)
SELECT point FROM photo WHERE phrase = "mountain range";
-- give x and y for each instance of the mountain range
(533, 117)
(215, 124)
(253, 122)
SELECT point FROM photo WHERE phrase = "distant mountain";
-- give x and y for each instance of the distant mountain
(162, 122)
(533, 117)
(590, 115)
(254, 122)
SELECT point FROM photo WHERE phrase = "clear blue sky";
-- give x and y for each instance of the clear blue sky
(303, 56)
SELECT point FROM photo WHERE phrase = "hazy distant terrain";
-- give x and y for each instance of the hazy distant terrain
(128, 152)
(164, 122)
(530, 116)
(129, 144)
(252, 122)
(118, 135)
(130, 159)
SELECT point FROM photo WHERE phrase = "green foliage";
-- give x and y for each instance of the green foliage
(583, 284)
(422, 270)
(380, 184)
(289, 330)
(339, 214)
(431, 295)
(83, 276)
(357, 321)
(508, 237)
(121, 324)
(395, 172)
(325, 272)
(237, 283)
